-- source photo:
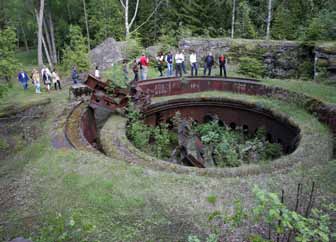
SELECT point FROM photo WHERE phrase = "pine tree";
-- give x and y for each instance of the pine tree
(245, 27)
(76, 53)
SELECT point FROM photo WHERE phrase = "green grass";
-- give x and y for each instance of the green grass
(325, 93)
(110, 200)
(27, 59)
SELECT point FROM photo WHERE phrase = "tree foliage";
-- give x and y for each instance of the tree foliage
(8, 63)
(76, 52)
(168, 21)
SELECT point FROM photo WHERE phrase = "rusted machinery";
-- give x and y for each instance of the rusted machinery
(113, 98)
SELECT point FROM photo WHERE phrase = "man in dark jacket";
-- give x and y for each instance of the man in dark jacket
(208, 63)
(222, 63)
(23, 79)
(74, 75)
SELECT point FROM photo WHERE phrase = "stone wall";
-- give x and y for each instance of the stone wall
(325, 60)
(282, 59)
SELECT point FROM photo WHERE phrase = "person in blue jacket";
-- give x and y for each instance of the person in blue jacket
(74, 75)
(23, 79)
(169, 60)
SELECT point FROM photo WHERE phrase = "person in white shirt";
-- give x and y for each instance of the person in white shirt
(46, 77)
(56, 80)
(97, 73)
(193, 63)
(178, 60)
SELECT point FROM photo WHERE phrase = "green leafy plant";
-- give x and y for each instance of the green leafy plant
(251, 67)
(158, 141)
(8, 62)
(271, 210)
(231, 148)
(212, 199)
(65, 227)
(76, 52)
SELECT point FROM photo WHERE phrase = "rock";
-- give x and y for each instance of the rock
(20, 239)
(107, 53)
(325, 54)
(152, 51)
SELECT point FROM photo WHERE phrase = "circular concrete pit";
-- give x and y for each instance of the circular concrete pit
(84, 131)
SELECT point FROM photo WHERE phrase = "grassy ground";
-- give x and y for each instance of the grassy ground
(67, 195)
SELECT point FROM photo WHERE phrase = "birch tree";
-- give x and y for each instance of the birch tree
(40, 34)
(233, 18)
(52, 36)
(269, 18)
(128, 24)
(86, 25)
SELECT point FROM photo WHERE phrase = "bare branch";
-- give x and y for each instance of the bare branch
(149, 17)
(135, 14)
(122, 3)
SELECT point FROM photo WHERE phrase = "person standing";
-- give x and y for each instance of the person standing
(23, 79)
(222, 65)
(135, 70)
(56, 80)
(208, 63)
(159, 60)
(36, 81)
(178, 60)
(74, 75)
(46, 76)
(169, 60)
(125, 70)
(144, 62)
(97, 72)
(193, 63)
(183, 64)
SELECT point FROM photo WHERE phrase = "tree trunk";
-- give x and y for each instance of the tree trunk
(128, 25)
(39, 35)
(126, 19)
(43, 43)
(52, 35)
(47, 54)
(233, 18)
(86, 25)
(47, 38)
(269, 18)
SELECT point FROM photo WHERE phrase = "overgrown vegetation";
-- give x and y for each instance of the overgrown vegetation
(224, 146)
(8, 62)
(272, 220)
(76, 53)
(234, 147)
(251, 67)
(158, 140)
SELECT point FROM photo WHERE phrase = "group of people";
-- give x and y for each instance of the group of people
(168, 61)
(49, 78)
(180, 66)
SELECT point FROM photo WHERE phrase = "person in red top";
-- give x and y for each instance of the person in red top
(144, 66)
(222, 65)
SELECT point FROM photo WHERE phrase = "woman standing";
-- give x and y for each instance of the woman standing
(160, 59)
(46, 76)
(36, 81)
(56, 80)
